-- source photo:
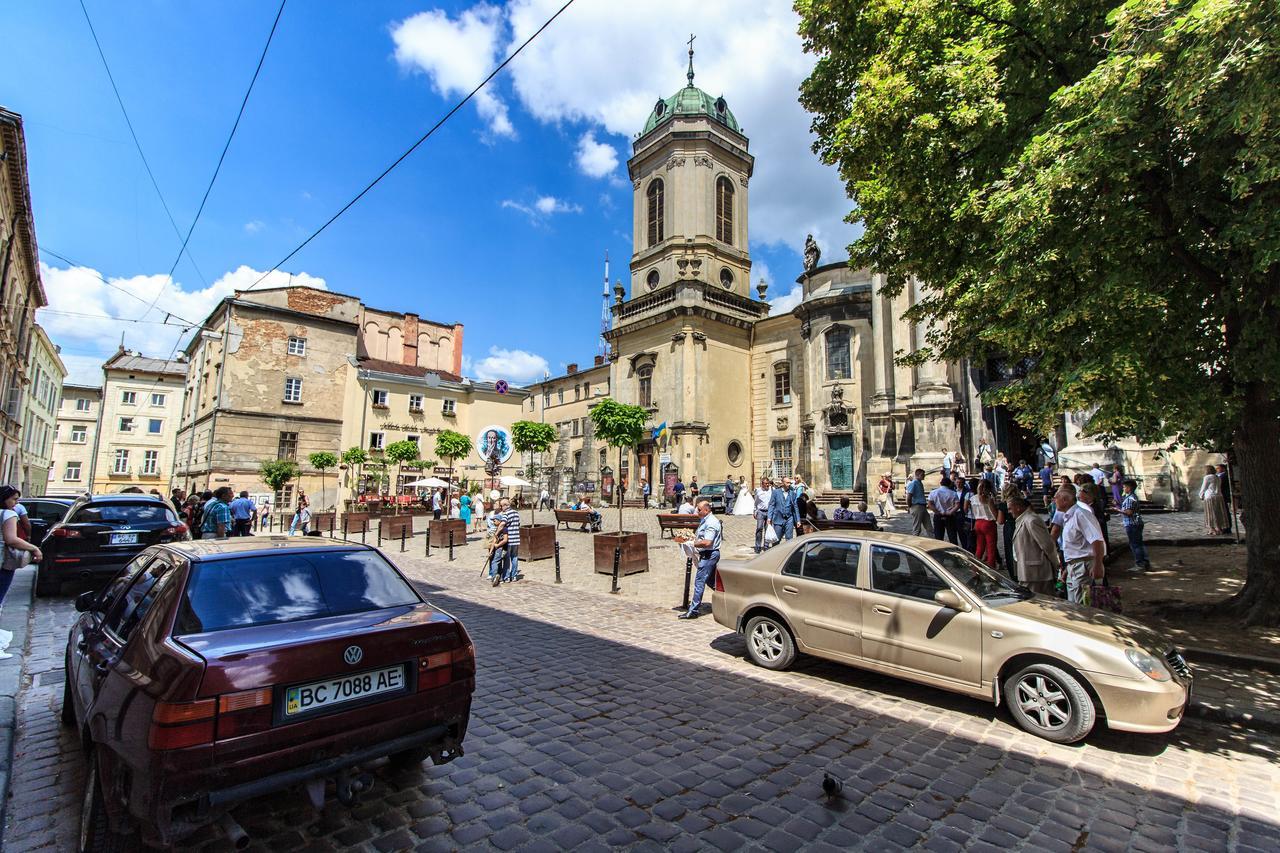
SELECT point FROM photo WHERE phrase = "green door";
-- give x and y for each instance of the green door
(840, 461)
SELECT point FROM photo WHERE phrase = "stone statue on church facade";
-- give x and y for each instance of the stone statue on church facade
(812, 254)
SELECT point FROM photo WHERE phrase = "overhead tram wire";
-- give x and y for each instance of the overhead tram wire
(221, 157)
(47, 251)
(412, 147)
(136, 143)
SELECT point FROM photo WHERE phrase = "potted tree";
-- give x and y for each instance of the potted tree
(450, 446)
(277, 473)
(537, 541)
(323, 461)
(620, 426)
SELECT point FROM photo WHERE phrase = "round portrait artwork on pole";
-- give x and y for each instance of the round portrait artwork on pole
(493, 443)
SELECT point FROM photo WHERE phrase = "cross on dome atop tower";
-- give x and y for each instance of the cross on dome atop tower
(690, 74)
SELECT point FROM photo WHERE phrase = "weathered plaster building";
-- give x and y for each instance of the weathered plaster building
(75, 438)
(45, 372)
(141, 399)
(21, 291)
(576, 463)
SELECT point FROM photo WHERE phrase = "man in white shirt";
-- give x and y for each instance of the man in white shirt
(686, 508)
(945, 504)
(1083, 547)
(1099, 476)
(761, 497)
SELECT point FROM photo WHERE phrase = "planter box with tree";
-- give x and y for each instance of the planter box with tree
(620, 426)
(450, 446)
(537, 541)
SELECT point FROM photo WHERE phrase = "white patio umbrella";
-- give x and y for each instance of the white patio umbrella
(430, 482)
(513, 481)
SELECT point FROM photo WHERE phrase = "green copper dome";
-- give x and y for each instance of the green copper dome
(691, 101)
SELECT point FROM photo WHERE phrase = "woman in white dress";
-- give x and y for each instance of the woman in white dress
(745, 504)
(1215, 508)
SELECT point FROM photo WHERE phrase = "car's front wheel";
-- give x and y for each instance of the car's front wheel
(96, 834)
(769, 642)
(1050, 702)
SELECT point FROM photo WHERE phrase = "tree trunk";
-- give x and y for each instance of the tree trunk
(448, 488)
(1257, 440)
(620, 452)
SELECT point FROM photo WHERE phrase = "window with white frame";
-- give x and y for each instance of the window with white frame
(126, 424)
(412, 437)
(376, 440)
(781, 451)
(121, 463)
(449, 407)
(157, 399)
(379, 399)
(782, 383)
(297, 346)
(155, 426)
(129, 398)
(72, 472)
(293, 390)
(151, 462)
(838, 353)
(79, 434)
(415, 402)
(82, 404)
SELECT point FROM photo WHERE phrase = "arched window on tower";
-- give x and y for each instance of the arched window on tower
(655, 194)
(724, 210)
(838, 353)
(645, 375)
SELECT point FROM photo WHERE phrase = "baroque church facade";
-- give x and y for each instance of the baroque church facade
(812, 393)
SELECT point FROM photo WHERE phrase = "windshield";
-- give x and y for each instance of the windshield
(981, 580)
(273, 588)
(124, 515)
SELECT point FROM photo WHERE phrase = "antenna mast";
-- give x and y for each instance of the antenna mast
(604, 308)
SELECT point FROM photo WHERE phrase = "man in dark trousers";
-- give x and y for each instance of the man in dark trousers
(706, 539)
(1224, 486)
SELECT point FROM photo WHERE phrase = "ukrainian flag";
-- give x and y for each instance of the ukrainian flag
(661, 434)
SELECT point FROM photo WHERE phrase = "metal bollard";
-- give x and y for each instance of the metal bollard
(428, 538)
(688, 579)
(344, 528)
(331, 520)
(379, 533)
(617, 562)
(450, 544)
(402, 530)
(558, 561)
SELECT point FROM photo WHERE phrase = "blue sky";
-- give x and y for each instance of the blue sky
(500, 221)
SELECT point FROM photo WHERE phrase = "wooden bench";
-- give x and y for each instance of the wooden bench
(832, 524)
(573, 516)
(675, 521)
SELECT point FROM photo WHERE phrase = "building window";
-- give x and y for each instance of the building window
(415, 402)
(72, 474)
(157, 399)
(151, 462)
(121, 463)
(297, 346)
(155, 426)
(838, 353)
(546, 399)
(379, 399)
(126, 424)
(287, 448)
(129, 398)
(576, 426)
(82, 404)
(724, 210)
(449, 407)
(376, 440)
(284, 497)
(413, 438)
(560, 396)
(655, 194)
(781, 459)
(293, 390)
(577, 392)
(782, 383)
(645, 375)
(79, 434)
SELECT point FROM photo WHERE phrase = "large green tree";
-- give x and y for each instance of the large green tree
(1093, 186)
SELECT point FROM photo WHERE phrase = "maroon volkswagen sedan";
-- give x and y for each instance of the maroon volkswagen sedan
(208, 673)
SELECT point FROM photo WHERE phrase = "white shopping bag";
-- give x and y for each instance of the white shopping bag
(770, 535)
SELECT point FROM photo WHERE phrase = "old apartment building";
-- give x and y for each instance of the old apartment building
(576, 463)
(269, 380)
(21, 291)
(141, 400)
(45, 372)
(75, 441)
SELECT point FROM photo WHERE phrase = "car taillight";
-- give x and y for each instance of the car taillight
(175, 725)
(244, 713)
(65, 533)
(719, 587)
(176, 530)
(444, 667)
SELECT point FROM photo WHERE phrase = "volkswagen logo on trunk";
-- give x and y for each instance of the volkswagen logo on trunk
(352, 655)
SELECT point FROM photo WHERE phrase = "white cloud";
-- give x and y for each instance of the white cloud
(456, 54)
(254, 226)
(596, 159)
(542, 207)
(83, 369)
(82, 308)
(784, 303)
(514, 365)
(606, 63)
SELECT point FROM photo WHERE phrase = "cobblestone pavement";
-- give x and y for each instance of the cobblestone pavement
(601, 722)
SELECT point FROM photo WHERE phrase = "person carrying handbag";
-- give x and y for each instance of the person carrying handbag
(18, 552)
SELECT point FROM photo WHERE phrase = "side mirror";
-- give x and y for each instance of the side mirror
(949, 599)
(85, 600)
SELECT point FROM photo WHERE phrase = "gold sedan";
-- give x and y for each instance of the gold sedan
(930, 612)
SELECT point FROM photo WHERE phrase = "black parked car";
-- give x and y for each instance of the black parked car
(101, 533)
(44, 512)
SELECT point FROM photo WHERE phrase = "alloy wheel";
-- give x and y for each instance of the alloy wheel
(1043, 700)
(767, 640)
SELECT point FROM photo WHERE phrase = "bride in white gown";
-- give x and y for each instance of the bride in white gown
(745, 503)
